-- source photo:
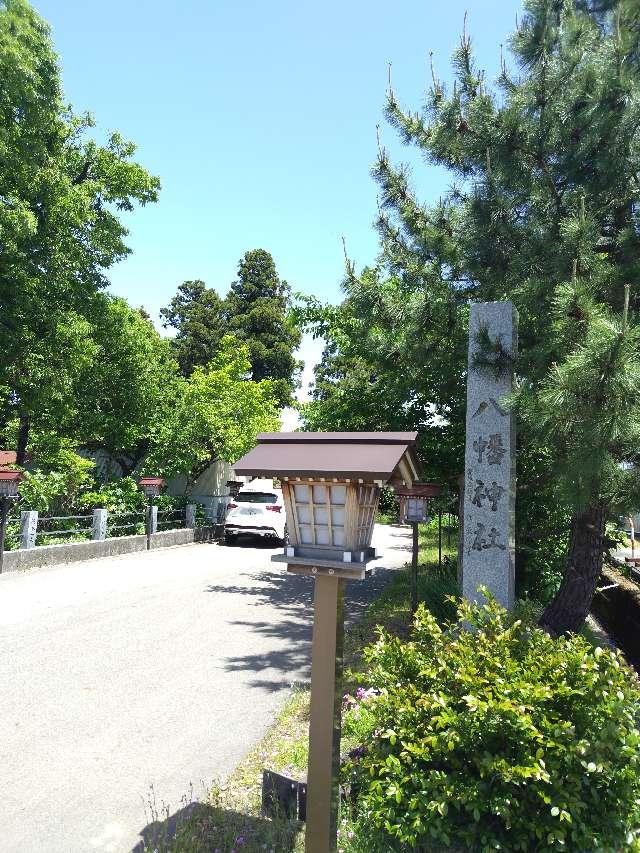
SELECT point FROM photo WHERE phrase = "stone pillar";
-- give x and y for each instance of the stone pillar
(28, 528)
(190, 515)
(460, 527)
(489, 480)
(153, 519)
(99, 524)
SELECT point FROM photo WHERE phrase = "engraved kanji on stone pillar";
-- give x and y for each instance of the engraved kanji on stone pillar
(489, 498)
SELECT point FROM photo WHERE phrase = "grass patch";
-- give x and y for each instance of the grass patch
(228, 818)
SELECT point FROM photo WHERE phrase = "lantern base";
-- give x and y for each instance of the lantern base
(347, 574)
(315, 561)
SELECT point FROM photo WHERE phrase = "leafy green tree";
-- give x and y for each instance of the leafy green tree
(126, 388)
(109, 382)
(543, 211)
(198, 315)
(215, 414)
(60, 196)
(40, 388)
(259, 311)
(388, 366)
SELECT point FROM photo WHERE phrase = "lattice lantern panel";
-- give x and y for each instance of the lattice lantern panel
(338, 516)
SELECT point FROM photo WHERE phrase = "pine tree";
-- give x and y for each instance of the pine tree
(259, 312)
(545, 212)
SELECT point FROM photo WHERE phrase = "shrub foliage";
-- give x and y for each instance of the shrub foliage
(491, 735)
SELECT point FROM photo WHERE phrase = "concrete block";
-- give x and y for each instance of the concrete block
(28, 528)
(73, 552)
(99, 530)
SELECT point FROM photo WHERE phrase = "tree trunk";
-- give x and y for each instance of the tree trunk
(570, 607)
(23, 439)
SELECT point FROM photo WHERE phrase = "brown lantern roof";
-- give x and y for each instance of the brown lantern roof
(151, 481)
(419, 490)
(8, 458)
(370, 456)
(7, 475)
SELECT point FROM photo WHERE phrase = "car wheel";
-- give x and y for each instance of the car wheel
(229, 539)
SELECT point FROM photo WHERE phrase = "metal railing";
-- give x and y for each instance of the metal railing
(36, 530)
(53, 527)
(126, 523)
(175, 519)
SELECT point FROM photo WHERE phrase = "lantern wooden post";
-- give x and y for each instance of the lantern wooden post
(3, 528)
(323, 798)
(415, 547)
(150, 486)
(9, 483)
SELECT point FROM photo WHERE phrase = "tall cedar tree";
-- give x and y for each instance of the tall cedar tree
(259, 311)
(544, 212)
(197, 314)
(60, 195)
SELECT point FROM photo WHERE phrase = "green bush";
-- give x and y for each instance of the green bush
(12, 534)
(57, 489)
(121, 497)
(124, 497)
(491, 735)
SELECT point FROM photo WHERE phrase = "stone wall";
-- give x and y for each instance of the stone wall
(618, 608)
(73, 552)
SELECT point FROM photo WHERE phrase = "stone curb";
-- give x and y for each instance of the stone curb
(51, 555)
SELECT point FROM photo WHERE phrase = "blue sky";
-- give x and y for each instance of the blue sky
(260, 119)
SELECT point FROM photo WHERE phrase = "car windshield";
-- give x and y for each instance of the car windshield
(256, 498)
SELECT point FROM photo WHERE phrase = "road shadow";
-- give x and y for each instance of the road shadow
(404, 547)
(263, 543)
(292, 596)
(203, 828)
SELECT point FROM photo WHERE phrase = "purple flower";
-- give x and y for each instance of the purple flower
(357, 752)
(362, 694)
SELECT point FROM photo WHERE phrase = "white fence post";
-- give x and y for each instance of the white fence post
(190, 515)
(99, 530)
(28, 528)
(153, 520)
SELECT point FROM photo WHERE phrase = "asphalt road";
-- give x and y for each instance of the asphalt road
(156, 669)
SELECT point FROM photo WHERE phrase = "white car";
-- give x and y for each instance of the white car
(257, 510)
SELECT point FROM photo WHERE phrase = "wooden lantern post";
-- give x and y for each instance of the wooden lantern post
(414, 510)
(9, 484)
(150, 486)
(331, 487)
